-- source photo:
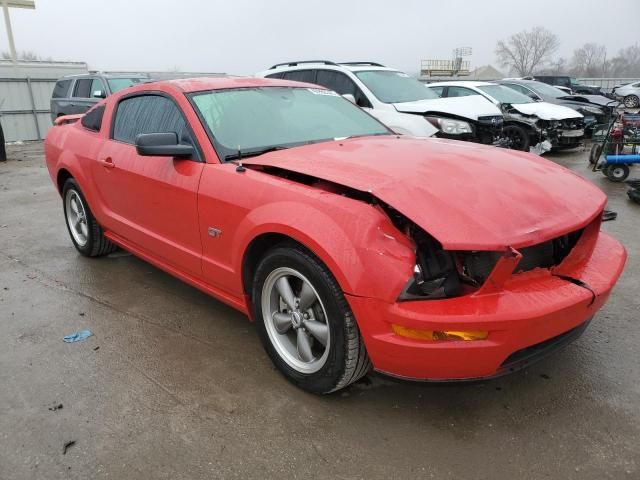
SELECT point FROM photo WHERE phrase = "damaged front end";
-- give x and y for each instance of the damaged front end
(441, 274)
(487, 130)
(545, 135)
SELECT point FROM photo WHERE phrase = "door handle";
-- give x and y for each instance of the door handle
(107, 162)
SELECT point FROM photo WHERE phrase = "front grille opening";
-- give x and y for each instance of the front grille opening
(479, 265)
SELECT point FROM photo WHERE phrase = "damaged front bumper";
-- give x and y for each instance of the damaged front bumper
(525, 315)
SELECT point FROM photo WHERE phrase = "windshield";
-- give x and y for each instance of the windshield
(505, 94)
(255, 119)
(574, 81)
(116, 84)
(546, 90)
(390, 86)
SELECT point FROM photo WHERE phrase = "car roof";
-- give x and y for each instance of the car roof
(200, 84)
(460, 83)
(105, 75)
(309, 64)
(520, 80)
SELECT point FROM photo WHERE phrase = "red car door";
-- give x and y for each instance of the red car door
(150, 201)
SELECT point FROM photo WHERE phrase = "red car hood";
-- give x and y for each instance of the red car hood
(467, 196)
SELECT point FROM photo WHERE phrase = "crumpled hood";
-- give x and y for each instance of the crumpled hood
(470, 107)
(546, 111)
(469, 197)
(587, 99)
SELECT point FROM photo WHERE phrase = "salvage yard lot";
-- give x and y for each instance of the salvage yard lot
(174, 384)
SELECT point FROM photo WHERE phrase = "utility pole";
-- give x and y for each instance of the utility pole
(6, 5)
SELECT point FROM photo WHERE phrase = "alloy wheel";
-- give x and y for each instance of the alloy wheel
(76, 217)
(295, 320)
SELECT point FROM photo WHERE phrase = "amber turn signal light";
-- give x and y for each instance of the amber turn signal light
(433, 335)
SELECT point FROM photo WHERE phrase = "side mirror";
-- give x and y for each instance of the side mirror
(162, 145)
(99, 94)
(350, 97)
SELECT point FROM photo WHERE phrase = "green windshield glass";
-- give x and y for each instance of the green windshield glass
(116, 84)
(257, 118)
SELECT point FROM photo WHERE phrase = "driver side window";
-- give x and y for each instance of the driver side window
(340, 83)
(149, 114)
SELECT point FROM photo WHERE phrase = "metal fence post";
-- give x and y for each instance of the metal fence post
(33, 107)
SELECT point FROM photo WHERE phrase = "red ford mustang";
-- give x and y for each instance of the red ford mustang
(351, 247)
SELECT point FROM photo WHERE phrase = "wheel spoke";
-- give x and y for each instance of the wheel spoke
(304, 346)
(282, 322)
(319, 330)
(74, 206)
(284, 289)
(84, 229)
(307, 297)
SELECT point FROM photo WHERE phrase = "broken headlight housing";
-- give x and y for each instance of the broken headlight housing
(450, 126)
(435, 274)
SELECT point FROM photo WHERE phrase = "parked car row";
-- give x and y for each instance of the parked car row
(521, 114)
(398, 100)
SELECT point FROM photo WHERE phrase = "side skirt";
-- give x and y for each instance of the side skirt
(231, 300)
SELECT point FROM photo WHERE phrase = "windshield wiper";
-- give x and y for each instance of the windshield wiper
(239, 155)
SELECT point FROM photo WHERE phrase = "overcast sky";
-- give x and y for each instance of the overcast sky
(246, 36)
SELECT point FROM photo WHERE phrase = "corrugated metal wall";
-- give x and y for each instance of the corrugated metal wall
(25, 92)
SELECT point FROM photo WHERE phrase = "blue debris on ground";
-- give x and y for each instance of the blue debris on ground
(78, 336)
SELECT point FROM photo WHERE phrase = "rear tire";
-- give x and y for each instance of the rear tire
(518, 136)
(617, 173)
(594, 155)
(316, 344)
(631, 101)
(87, 236)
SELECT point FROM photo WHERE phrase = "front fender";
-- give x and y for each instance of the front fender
(366, 254)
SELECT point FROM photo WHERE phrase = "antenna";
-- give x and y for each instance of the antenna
(239, 167)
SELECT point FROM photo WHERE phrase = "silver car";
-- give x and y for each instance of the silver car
(630, 93)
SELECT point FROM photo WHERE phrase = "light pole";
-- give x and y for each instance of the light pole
(6, 5)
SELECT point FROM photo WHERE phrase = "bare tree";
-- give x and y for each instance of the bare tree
(626, 63)
(25, 55)
(555, 67)
(526, 51)
(589, 60)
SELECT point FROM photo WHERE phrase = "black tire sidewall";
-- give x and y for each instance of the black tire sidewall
(594, 155)
(523, 133)
(325, 379)
(630, 98)
(611, 168)
(87, 248)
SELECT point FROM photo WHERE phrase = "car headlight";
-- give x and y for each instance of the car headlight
(450, 126)
(594, 110)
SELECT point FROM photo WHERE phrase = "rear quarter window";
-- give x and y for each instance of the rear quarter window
(61, 89)
(93, 119)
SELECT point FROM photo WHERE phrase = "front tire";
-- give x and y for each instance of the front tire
(87, 236)
(305, 322)
(518, 136)
(617, 173)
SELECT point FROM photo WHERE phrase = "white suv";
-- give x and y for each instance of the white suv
(398, 100)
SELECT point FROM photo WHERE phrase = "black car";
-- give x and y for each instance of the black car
(596, 109)
(569, 82)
